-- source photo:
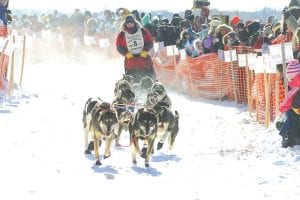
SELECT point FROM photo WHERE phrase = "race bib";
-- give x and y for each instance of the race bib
(135, 42)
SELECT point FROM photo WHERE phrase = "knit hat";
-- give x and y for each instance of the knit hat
(293, 69)
(235, 20)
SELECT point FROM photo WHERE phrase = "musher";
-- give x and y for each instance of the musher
(134, 42)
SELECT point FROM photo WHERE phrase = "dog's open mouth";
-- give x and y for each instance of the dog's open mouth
(107, 133)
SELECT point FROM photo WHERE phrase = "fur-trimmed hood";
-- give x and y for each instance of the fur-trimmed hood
(137, 24)
(223, 26)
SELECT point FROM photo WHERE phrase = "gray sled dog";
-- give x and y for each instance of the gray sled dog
(123, 104)
(100, 122)
(158, 94)
(143, 125)
(142, 88)
(168, 125)
(123, 84)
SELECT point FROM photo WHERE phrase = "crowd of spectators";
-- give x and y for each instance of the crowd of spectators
(197, 33)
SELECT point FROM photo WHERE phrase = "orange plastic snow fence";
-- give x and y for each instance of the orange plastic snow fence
(207, 77)
(260, 98)
(237, 90)
(4, 31)
(203, 76)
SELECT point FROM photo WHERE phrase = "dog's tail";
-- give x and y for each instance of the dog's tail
(174, 131)
(84, 120)
(176, 115)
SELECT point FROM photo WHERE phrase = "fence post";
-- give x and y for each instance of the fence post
(12, 70)
(249, 98)
(284, 69)
(267, 97)
(23, 60)
(233, 77)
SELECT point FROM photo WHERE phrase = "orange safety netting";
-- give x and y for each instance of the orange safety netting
(259, 95)
(165, 71)
(4, 31)
(203, 76)
(237, 83)
(207, 77)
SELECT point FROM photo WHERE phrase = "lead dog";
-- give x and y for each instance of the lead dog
(143, 125)
(100, 122)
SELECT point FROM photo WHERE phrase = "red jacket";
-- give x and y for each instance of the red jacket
(287, 102)
(136, 62)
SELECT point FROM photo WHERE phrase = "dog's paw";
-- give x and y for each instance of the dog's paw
(87, 151)
(106, 156)
(91, 146)
(147, 165)
(134, 162)
(159, 145)
(143, 152)
(98, 162)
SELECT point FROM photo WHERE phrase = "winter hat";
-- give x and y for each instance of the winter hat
(235, 20)
(253, 27)
(146, 20)
(129, 18)
(240, 25)
(223, 27)
(213, 26)
(276, 28)
(187, 13)
(293, 69)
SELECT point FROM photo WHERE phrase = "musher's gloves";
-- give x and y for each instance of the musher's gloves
(129, 55)
(144, 54)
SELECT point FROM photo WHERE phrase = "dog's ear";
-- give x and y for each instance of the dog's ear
(140, 110)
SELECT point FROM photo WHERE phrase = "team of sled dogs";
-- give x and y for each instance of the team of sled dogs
(143, 109)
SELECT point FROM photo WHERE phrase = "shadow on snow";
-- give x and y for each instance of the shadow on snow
(146, 170)
(165, 157)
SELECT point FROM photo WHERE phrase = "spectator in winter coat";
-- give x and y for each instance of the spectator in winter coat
(147, 23)
(210, 38)
(290, 130)
(186, 43)
(134, 42)
(231, 40)
(221, 31)
(198, 48)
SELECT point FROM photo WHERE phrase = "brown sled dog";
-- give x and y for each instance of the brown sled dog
(100, 122)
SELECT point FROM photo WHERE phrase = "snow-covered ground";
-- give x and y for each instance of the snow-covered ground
(220, 152)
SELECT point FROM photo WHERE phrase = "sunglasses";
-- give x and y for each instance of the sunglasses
(130, 21)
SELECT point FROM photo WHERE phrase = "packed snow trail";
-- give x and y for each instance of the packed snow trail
(220, 152)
